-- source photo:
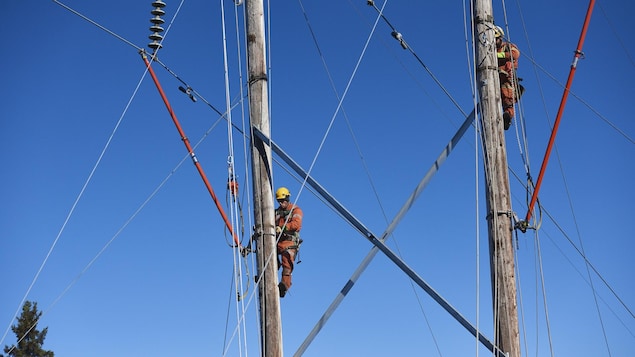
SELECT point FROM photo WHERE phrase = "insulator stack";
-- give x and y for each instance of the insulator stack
(156, 28)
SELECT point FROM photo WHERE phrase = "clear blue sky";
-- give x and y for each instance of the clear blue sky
(163, 286)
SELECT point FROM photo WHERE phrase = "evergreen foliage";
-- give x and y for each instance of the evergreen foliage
(30, 340)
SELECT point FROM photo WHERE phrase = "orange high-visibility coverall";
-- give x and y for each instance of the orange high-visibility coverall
(289, 238)
(508, 55)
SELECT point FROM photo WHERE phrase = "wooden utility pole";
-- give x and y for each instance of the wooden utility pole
(496, 183)
(264, 235)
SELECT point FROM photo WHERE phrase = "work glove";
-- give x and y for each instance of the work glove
(500, 54)
(278, 230)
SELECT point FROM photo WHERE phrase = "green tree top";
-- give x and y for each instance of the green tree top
(30, 340)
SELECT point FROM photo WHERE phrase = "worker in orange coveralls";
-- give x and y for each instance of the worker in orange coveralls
(507, 54)
(288, 226)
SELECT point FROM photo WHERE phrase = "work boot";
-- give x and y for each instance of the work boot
(283, 289)
(507, 120)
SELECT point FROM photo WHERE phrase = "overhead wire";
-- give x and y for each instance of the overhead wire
(543, 289)
(521, 129)
(578, 54)
(539, 257)
(399, 37)
(340, 100)
(74, 205)
(155, 59)
(91, 174)
(337, 110)
(530, 185)
(580, 99)
(581, 254)
(230, 225)
(617, 35)
(236, 276)
(239, 254)
(301, 348)
(521, 137)
(98, 25)
(245, 136)
(357, 145)
(94, 169)
(572, 264)
(588, 269)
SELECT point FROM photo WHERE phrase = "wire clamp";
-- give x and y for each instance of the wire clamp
(189, 92)
(399, 37)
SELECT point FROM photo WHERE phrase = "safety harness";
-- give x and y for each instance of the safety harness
(286, 236)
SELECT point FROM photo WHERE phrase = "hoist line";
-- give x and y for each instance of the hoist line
(387, 233)
(577, 54)
(234, 211)
(377, 242)
(230, 298)
(190, 151)
(240, 100)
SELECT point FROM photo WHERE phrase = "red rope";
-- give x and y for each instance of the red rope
(189, 148)
(576, 57)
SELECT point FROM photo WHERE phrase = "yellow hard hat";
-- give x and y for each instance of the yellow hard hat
(498, 31)
(282, 193)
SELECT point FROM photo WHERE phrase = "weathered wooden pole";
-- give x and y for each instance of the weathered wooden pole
(264, 234)
(496, 183)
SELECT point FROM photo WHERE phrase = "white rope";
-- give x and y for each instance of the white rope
(234, 212)
(88, 180)
(72, 210)
(471, 59)
(339, 104)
